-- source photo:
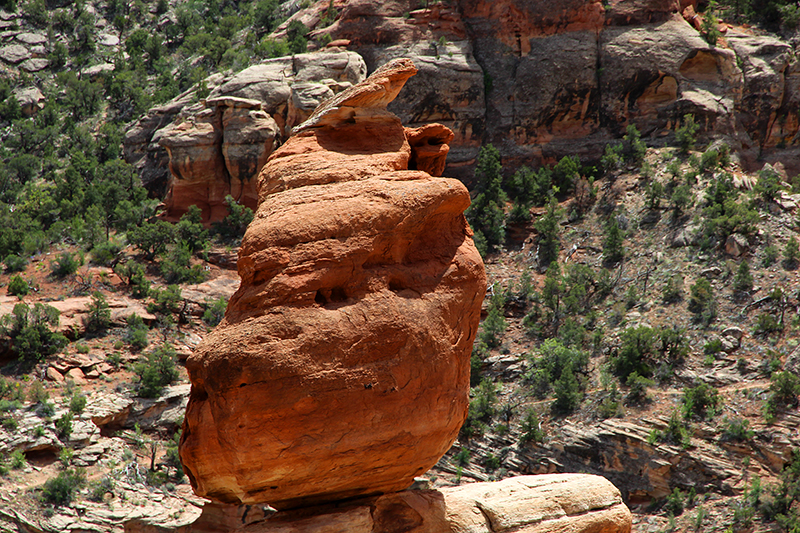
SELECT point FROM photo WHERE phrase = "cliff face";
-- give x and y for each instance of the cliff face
(536, 80)
(198, 152)
(541, 81)
(346, 348)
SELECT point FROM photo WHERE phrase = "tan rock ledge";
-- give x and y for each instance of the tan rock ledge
(563, 503)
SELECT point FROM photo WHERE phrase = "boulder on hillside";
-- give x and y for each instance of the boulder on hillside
(341, 368)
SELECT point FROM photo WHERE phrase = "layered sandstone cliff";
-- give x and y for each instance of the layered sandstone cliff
(542, 80)
(342, 365)
(197, 153)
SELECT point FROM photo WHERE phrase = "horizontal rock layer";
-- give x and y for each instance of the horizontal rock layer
(564, 503)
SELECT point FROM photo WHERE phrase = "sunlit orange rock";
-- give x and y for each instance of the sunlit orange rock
(342, 366)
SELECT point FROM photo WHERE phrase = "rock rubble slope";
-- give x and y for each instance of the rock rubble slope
(342, 366)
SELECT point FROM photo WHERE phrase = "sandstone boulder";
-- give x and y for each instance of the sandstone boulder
(567, 503)
(429, 148)
(14, 53)
(31, 100)
(342, 365)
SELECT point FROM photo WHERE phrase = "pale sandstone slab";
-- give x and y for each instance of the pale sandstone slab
(553, 503)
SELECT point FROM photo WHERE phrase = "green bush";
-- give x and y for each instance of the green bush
(770, 255)
(176, 267)
(98, 316)
(106, 253)
(156, 371)
(166, 301)
(190, 231)
(710, 28)
(767, 324)
(233, 226)
(637, 353)
(676, 432)
(494, 325)
(612, 158)
(136, 333)
(18, 460)
(686, 134)
(15, 263)
(783, 390)
(296, 34)
(17, 286)
(531, 428)
(743, 280)
(709, 161)
(768, 184)
(486, 214)
(61, 489)
(674, 504)
(64, 426)
(702, 302)
(29, 330)
(548, 227)
(673, 289)
(37, 393)
(568, 391)
(172, 456)
(791, 254)
(556, 368)
(482, 407)
(701, 401)
(65, 265)
(77, 404)
(215, 312)
(152, 238)
(635, 148)
(736, 430)
(98, 489)
(637, 389)
(613, 250)
(133, 274)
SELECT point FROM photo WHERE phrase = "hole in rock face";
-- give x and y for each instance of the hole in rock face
(396, 285)
(328, 296)
(338, 294)
(320, 298)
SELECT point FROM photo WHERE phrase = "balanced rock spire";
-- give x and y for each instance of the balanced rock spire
(342, 365)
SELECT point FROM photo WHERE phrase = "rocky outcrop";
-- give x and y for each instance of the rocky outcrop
(342, 365)
(197, 153)
(568, 503)
(540, 83)
(216, 153)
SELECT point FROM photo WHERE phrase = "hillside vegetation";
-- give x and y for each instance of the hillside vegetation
(642, 319)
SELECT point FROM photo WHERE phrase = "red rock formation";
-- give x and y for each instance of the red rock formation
(342, 365)
(429, 147)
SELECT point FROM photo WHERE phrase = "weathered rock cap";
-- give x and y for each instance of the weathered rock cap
(376, 92)
(563, 503)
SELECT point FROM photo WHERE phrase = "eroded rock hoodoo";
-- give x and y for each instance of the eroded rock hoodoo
(342, 366)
